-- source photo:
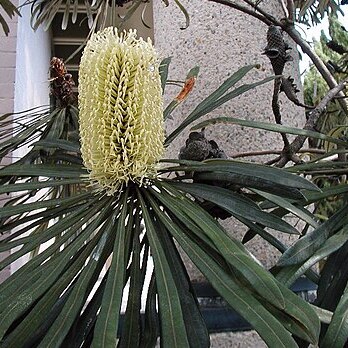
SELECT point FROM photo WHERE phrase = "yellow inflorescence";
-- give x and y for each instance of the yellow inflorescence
(121, 111)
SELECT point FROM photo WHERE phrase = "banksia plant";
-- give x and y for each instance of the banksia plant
(98, 252)
(121, 114)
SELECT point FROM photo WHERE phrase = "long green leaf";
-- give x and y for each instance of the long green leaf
(131, 329)
(42, 277)
(42, 309)
(45, 170)
(233, 252)
(237, 205)
(58, 144)
(217, 98)
(337, 333)
(269, 328)
(247, 181)
(331, 245)
(69, 223)
(270, 127)
(151, 325)
(84, 284)
(173, 331)
(36, 185)
(84, 325)
(251, 171)
(304, 215)
(193, 319)
(105, 333)
(18, 209)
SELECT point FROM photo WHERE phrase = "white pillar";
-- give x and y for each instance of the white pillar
(33, 55)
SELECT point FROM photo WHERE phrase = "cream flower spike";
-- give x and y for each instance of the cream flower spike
(121, 109)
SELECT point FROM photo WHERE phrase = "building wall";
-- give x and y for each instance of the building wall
(7, 80)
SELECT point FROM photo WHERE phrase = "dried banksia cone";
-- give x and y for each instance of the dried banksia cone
(121, 114)
(276, 49)
(62, 83)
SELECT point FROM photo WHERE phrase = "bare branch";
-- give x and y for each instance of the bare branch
(291, 10)
(313, 118)
(306, 48)
(246, 10)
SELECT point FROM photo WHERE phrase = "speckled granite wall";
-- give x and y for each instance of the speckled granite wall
(221, 40)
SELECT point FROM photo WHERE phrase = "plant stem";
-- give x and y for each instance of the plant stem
(291, 10)
(244, 9)
(298, 142)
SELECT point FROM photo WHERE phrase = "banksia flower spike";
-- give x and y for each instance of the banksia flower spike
(121, 113)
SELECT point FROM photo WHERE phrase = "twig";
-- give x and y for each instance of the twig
(260, 10)
(284, 7)
(276, 109)
(291, 10)
(244, 9)
(312, 120)
(306, 48)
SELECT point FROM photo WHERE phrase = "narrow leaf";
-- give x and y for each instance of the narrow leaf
(237, 205)
(105, 333)
(173, 331)
(311, 242)
(270, 127)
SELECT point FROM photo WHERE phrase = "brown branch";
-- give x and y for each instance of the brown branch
(269, 17)
(319, 64)
(291, 10)
(251, 12)
(313, 118)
